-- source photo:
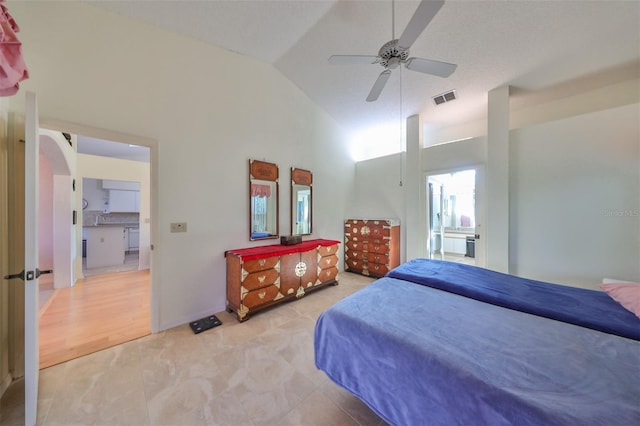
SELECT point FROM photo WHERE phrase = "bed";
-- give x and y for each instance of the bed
(418, 350)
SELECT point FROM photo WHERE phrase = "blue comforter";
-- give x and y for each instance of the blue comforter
(422, 356)
(587, 308)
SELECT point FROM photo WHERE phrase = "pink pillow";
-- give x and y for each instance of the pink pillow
(627, 294)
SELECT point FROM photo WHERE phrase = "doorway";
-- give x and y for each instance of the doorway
(452, 217)
(122, 170)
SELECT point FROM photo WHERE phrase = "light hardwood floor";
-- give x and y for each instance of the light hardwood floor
(99, 312)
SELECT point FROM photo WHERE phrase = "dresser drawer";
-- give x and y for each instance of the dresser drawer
(328, 274)
(260, 279)
(260, 264)
(368, 229)
(327, 250)
(354, 254)
(327, 261)
(382, 259)
(258, 297)
(354, 265)
(378, 248)
(377, 270)
(356, 246)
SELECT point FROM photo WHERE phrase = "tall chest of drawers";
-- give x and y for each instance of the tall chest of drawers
(372, 247)
(260, 277)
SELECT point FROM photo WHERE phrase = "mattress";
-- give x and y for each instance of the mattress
(420, 355)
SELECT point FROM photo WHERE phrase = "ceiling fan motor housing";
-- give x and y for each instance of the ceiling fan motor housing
(391, 55)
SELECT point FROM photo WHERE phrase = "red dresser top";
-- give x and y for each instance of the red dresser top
(278, 249)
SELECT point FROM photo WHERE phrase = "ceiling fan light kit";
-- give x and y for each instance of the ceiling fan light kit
(396, 52)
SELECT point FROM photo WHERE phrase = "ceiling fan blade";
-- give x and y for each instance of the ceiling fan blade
(425, 12)
(427, 66)
(378, 85)
(352, 59)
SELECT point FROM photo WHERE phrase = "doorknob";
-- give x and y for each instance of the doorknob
(14, 276)
(29, 275)
(46, 271)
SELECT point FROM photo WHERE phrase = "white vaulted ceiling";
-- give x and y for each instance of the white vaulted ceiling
(531, 45)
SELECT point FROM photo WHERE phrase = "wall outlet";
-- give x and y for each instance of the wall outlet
(179, 227)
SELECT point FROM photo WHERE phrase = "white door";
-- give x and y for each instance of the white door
(31, 357)
(480, 240)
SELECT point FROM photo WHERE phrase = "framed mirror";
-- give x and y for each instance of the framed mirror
(301, 201)
(263, 200)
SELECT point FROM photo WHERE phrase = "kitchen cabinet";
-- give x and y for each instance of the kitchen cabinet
(125, 240)
(121, 201)
(105, 246)
(134, 239)
(120, 184)
(131, 240)
(261, 277)
(455, 242)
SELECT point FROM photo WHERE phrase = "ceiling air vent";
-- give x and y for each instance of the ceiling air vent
(445, 97)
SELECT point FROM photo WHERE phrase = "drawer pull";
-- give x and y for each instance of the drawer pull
(262, 278)
(261, 262)
(262, 294)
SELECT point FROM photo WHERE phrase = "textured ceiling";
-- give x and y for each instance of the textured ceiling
(531, 45)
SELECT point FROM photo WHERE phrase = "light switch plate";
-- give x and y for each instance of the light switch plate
(179, 227)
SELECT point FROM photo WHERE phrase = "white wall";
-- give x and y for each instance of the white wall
(575, 205)
(377, 193)
(456, 155)
(210, 111)
(59, 200)
(45, 214)
(574, 208)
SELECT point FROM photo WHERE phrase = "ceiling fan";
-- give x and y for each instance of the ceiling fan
(396, 52)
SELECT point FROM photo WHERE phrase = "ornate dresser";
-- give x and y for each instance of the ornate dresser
(260, 277)
(372, 247)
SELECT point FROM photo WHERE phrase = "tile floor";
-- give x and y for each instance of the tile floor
(260, 372)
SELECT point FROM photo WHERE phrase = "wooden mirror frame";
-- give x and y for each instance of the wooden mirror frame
(300, 178)
(264, 175)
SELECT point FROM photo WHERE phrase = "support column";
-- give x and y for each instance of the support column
(497, 180)
(414, 231)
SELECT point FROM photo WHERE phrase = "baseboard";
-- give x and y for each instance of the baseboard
(4, 385)
(192, 317)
